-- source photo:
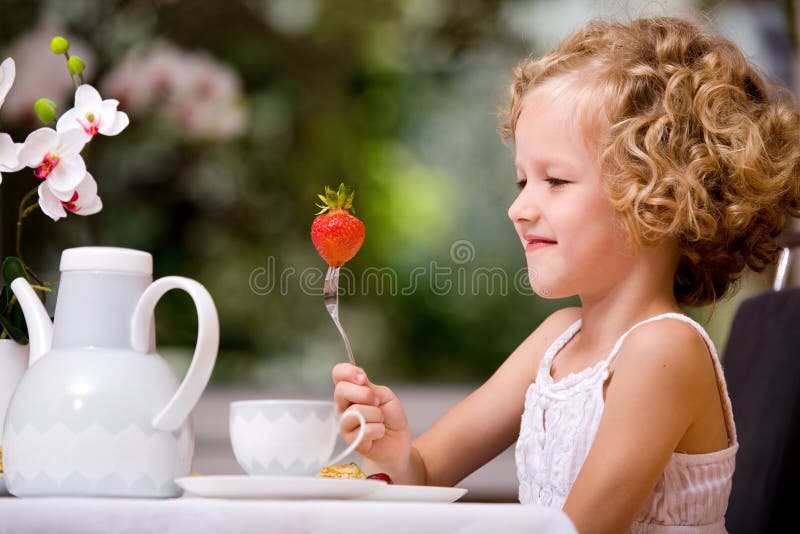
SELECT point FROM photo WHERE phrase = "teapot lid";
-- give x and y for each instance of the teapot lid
(117, 259)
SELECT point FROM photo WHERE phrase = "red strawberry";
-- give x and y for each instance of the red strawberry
(337, 233)
(381, 476)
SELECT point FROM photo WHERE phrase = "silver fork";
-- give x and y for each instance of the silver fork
(330, 295)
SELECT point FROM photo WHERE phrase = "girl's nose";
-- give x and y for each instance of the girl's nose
(523, 208)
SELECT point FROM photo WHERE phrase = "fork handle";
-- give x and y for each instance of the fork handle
(346, 342)
(332, 279)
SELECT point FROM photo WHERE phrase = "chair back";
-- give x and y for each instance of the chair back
(762, 369)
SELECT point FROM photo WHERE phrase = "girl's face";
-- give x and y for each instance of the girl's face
(573, 243)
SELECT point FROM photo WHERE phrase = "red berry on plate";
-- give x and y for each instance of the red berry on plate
(381, 476)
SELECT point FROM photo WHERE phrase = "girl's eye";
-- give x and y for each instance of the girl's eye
(521, 183)
(555, 182)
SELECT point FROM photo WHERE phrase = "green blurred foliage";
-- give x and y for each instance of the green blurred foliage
(398, 99)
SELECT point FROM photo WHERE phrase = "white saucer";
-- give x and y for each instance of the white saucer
(399, 492)
(268, 487)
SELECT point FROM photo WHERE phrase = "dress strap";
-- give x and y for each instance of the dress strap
(723, 389)
(557, 345)
(678, 316)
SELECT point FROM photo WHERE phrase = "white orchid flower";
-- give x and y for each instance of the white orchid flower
(83, 201)
(92, 114)
(8, 72)
(9, 151)
(9, 155)
(56, 157)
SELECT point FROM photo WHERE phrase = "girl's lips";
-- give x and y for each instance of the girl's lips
(535, 242)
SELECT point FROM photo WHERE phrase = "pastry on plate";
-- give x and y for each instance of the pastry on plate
(350, 470)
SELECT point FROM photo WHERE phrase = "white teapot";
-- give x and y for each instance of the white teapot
(98, 412)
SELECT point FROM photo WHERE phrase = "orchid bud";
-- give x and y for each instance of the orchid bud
(59, 45)
(46, 110)
(75, 65)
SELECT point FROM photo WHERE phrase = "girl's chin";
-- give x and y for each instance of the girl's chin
(542, 288)
(545, 292)
(547, 289)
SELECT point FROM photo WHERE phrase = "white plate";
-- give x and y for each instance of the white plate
(399, 492)
(267, 487)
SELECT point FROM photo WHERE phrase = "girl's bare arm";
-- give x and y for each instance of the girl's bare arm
(473, 432)
(486, 422)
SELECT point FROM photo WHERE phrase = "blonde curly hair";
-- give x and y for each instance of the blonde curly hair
(690, 143)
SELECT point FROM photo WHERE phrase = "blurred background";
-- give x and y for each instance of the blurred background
(243, 110)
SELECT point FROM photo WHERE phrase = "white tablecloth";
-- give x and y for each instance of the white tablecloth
(198, 516)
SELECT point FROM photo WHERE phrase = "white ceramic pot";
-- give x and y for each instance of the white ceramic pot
(98, 411)
(13, 362)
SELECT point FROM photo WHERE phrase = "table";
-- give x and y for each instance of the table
(199, 516)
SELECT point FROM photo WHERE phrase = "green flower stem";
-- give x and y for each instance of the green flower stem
(23, 212)
(6, 312)
(37, 287)
(30, 209)
(20, 217)
(11, 303)
(71, 76)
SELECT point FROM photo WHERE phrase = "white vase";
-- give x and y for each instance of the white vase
(13, 362)
(99, 412)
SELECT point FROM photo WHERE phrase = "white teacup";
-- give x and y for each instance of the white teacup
(287, 437)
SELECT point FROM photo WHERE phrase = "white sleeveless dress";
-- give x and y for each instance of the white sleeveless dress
(691, 495)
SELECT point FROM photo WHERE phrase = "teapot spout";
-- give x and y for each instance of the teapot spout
(40, 327)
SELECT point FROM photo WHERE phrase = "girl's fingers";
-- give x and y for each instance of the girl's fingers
(372, 432)
(384, 394)
(349, 373)
(372, 414)
(346, 393)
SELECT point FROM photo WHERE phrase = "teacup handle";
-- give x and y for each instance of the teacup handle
(180, 405)
(359, 437)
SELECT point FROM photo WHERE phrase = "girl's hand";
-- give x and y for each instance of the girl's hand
(387, 439)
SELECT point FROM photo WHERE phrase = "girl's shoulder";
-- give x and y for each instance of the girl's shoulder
(554, 325)
(672, 360)
(532, 349)
(562, 319)
(668, 340)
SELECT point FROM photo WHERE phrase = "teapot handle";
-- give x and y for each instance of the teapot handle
(180, 405)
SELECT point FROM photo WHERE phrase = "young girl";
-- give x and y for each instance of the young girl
(653, 167)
